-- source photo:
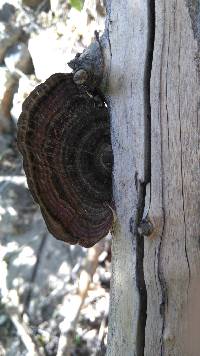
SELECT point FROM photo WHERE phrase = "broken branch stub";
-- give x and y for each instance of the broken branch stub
(88, 67)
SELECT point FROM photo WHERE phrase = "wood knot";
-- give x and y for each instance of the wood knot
(146, 227)
(64, 137)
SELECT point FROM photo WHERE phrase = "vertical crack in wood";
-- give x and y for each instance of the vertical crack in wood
(140, 271)
(147, 105)
(129, 103)
(182, 178)
(142, 186)
(174, 183)
(163, 286)
(166, 89)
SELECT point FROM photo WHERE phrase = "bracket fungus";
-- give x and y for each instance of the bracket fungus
(64, 137)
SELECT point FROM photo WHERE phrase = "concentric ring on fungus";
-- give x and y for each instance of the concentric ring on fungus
(64, 137)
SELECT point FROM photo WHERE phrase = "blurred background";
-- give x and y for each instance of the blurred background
(54, 297)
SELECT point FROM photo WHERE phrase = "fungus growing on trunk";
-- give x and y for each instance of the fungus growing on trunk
(64, 137)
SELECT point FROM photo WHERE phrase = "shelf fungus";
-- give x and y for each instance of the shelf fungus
(64, 137)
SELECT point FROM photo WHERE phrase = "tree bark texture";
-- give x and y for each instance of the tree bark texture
(172, 258)
(153, 96)
(127, 31)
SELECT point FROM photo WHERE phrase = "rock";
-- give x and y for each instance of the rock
(18, 57)
(3, 319)
(16, 208)
(26, 85)
(14, 346)
(6, 12)
(82, 25)
(100, 8)
(57, 260)
(54, 5)
(49, 53)
(3, 144)
(8, 36)
(7, 89)
(31, 3)
(2, 350)
(35, 3)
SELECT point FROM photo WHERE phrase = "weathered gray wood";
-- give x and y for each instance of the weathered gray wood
(172, 258)
(127, 33)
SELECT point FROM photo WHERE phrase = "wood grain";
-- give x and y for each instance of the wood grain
(172, 259)
(127, 31)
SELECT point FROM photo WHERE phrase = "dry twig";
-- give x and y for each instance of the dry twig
(68, 326)
(11, 303)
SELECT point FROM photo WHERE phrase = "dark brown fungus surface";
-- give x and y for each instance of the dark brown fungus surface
(64, 137)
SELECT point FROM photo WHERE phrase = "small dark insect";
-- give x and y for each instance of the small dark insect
(64, 137)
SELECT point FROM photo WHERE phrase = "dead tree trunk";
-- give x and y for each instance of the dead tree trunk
(128, 34)
(153, 94)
